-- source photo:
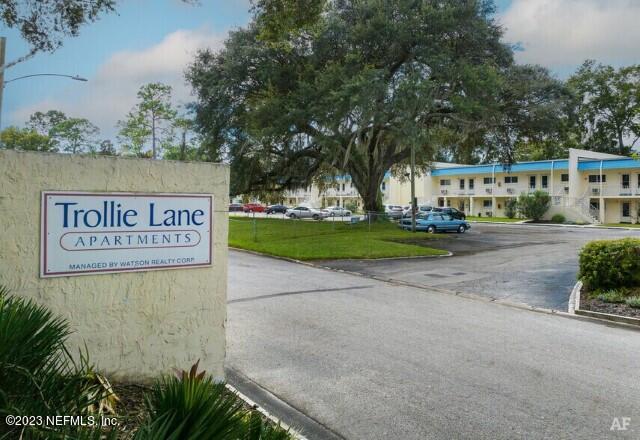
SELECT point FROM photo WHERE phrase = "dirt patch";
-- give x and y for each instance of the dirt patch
(130, 408)
(596, 305)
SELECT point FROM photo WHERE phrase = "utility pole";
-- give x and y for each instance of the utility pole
(3, 44)
(414, 206)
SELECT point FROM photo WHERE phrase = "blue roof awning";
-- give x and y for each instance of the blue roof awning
(543, 165)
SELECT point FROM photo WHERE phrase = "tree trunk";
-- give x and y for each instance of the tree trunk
(183, 146)
(368, 186)
(620, 143)
(153, 137)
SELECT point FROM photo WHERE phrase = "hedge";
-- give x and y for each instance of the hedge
(606, 264)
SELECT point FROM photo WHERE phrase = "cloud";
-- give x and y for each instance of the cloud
(561, 33)
(111, 92)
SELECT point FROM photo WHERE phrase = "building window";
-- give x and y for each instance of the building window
(564, 178)
(510, 179)
(489, 180)
(545, 182)
(445, 182)
(626, 209)
(384, 186)
(461, 183)
(343, 187)
(595, 178)
(472, 182)
(626, 182)
(532, 182)
(486, 203)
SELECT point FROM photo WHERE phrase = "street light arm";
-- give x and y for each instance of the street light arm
(74, 77)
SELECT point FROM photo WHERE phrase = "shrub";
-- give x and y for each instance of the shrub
(610, 264)
(39, 378)
(558, 218)
(511, 208)
(612, 296)
(194, 406)
(351, 206)
(191, 408)
(633, 301)
(534, 205)
(38, 375)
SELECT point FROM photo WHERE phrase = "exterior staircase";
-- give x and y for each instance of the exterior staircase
(577, 208)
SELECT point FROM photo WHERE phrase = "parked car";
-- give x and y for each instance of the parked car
(253, 207)
(453, 212)
(435, 222)
(305, 212)
(337, 211)
(236, 207)
(422, 209)
(393, 211)
(276, 209)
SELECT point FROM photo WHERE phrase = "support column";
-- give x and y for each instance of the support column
(602, 210)
(471, 206)
(494, 206)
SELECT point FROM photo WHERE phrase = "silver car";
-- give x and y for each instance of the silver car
(305, 212)
(337, 211)
(393, 211)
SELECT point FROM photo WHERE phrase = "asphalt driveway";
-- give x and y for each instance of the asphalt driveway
(347, 357)
(534, 265)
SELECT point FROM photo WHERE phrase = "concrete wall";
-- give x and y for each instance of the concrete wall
(135, 325)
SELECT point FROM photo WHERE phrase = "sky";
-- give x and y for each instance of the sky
(154, 40)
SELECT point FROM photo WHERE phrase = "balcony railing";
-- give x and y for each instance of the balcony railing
(332, 192)
(605, 190)
(488, 191)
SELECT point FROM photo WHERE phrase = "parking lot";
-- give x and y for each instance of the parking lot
(534, 265)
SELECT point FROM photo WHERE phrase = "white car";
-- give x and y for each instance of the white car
(337, 211)
(305, 212)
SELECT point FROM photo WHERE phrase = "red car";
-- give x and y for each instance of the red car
(253, 207)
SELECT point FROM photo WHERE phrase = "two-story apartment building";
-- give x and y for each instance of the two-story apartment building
(588, 186)
(340, 191)
(585, 187)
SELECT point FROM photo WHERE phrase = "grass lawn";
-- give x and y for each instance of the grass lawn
(315, 240)
(494, 219)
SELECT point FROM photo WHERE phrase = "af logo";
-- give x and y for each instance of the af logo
(620, 424)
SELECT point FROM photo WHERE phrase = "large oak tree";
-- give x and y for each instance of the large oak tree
(355, 88)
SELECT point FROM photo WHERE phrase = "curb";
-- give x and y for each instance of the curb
(276, 421)
(617, 319)
(276, 404)
(308, 262)
(574, 299)
(557, 225)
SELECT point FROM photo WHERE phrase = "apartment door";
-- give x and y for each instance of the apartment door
(625, 216)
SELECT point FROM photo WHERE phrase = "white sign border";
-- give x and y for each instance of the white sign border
(43, 232)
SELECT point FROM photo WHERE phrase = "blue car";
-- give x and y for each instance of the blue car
(435, 222)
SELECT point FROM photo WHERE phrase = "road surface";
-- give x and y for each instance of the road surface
(365, 359)
(534, 265)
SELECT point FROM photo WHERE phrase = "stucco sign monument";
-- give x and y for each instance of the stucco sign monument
(90, 233)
